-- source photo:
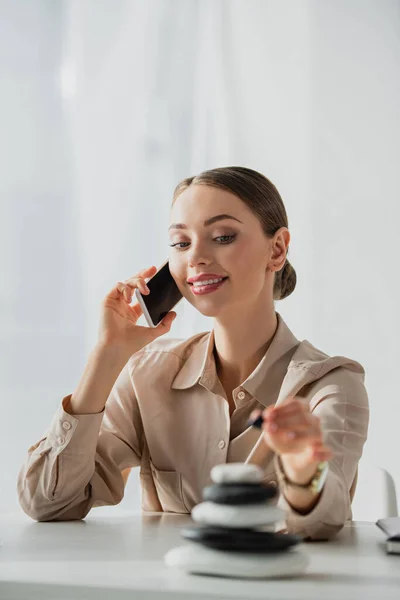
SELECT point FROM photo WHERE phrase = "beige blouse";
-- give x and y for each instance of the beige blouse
(167, 414)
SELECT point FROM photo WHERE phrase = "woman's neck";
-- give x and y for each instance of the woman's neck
(241, 344)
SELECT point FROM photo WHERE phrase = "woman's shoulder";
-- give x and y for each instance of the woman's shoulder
(169, 350)
(310, 358)
(324, 374)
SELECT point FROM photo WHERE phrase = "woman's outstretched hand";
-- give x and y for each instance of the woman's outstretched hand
(118, 328)
(295, 434)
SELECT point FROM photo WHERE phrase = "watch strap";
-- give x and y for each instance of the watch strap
(315, 484)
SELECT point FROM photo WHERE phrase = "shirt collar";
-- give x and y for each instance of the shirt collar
(263, 383)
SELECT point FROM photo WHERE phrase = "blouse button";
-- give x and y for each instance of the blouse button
(241, 395)
(221, 445)
(66, 425)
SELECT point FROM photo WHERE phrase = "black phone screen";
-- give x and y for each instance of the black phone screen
(164, 294)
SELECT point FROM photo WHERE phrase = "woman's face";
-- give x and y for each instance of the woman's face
(235, 249)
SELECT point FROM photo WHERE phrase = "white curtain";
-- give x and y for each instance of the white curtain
(106, 104)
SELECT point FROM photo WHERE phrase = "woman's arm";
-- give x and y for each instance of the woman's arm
(73, 466)
(103, 367)
(79, 462)
(339, 404)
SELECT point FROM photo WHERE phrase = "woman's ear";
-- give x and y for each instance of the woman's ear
(279, 249)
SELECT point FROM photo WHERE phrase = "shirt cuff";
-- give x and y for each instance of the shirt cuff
(326, 518)
(73, 434)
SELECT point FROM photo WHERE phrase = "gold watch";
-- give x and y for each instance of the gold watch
(314, 486)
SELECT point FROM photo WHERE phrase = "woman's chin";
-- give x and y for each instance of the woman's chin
(208, 312)
(207, 309)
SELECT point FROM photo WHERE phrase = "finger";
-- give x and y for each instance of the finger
(165, 325)
(120, 290)
(297, 447)
(284, 443)
(311, 437)
(143, 274)
(255, 414)
(321, 453)
(255, 419)
(125, 290)
(139, 283)
(293, 435)
(148, 272)
(136, 310)
(320, 447)
(288, 401)
(293, 420)
(292, 407)
(267, 412)
(154, 332)
(140, 277)
(297, 422)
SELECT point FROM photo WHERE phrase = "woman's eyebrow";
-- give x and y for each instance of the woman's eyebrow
(209, 221)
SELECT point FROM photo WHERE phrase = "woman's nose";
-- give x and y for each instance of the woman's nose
(198, 255)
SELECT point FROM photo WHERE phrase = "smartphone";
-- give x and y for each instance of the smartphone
(164, 295)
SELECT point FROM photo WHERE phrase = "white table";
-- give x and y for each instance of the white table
(120, 557)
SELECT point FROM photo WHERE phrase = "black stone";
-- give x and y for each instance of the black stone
(239, 493)
(240, 540)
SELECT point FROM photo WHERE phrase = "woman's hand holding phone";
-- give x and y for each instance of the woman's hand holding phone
(119, 338)
(118, 326)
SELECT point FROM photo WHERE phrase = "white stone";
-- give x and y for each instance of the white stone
(193, 558)
(237, 473)
(229, 515)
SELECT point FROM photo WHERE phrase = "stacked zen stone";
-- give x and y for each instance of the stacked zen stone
(236, 536)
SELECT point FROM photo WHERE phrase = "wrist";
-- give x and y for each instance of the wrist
(298, 471)
(299, 488)
(112, 354)
(104, 365)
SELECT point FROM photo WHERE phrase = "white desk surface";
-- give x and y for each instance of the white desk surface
(116, 557)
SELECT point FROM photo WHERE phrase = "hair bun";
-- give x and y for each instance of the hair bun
(287, 281)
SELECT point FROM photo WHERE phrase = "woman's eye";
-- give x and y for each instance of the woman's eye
(177, 244)
(224, 239)
(227, 238)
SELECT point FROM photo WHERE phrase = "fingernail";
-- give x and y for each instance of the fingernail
(146, 288)
(273, 427)
(291, 435)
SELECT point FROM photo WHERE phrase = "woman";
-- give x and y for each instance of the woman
(177, 408)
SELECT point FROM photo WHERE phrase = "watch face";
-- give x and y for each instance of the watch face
(319, 480)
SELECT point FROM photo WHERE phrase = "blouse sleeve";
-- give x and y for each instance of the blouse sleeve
(340, 401)
(81, 459)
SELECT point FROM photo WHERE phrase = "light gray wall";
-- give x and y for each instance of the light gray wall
(106, 104)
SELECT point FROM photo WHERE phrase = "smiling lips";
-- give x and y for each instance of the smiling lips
(206, 286)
